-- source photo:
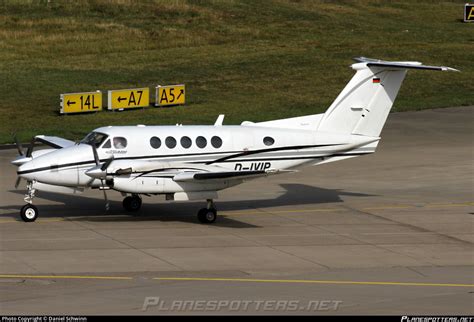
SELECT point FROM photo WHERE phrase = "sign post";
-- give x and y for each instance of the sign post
(170, 95)
(128, 98)
(81, 102)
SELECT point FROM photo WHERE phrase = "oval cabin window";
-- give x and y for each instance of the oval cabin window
(216, 142)
(186, 142)
(155, 142)
(170, 142)
(268, 141)
(201, 142)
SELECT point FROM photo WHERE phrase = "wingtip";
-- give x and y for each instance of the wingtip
(449, 69)
(362, 59)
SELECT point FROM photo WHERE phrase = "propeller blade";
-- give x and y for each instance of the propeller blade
(17, 183)
(31, 147)
(18, 145)
(103, 168)
(96, 156)
(107, 205)
(107, 163)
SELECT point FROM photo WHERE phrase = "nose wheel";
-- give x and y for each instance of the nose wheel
(208, 215)
(132, 203)
(29, 213)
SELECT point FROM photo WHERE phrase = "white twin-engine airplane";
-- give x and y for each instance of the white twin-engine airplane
(194, 162)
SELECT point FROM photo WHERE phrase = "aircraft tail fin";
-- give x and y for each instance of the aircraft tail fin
(363, 105)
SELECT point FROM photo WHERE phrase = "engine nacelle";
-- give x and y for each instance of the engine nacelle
(136, 184)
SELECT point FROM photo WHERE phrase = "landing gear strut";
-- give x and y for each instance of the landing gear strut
(132, 203)
(28, 212)
(208, 215)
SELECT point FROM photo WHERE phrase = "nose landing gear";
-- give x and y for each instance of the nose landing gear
(28, 212)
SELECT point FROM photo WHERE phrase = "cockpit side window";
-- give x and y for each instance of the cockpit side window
(120, 142)
(94, 138)
(107, 145)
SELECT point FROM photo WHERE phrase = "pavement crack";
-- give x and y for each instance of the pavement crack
(415, 271)
(132, 247)
(416, 228)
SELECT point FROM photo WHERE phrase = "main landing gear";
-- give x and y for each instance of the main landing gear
(28, 212)
(132, 203)
(208, 215)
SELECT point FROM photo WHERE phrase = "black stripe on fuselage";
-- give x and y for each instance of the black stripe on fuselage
(205, 162)
(144, 173)
(51, 167)
(237, 173)
(245, 153)
(227, 174)
(287, 158)
(236, 154)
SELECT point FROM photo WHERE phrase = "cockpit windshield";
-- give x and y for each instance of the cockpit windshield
(94, 138)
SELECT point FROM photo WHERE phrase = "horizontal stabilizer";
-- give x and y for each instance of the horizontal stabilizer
(401, 65)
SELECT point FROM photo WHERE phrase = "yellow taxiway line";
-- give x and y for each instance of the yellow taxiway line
(251, 280)
(241, 280)
(67, 277)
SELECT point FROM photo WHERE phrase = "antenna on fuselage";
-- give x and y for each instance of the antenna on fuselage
(220, 120)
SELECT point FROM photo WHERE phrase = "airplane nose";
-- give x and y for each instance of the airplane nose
(24, 171)
(59, 167)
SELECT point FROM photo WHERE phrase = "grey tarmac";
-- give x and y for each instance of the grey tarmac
(388, 233)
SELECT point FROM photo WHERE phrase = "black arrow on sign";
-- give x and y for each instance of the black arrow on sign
(181, 92)
(70, 102)
(121, 99)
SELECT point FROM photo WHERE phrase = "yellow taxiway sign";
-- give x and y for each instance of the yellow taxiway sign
(128, 98)
(81, 102)
(170, 95)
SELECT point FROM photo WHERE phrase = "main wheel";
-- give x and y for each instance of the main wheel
(29, 213)
(207, 216)
(132, 203)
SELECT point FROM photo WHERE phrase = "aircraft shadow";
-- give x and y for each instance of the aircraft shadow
(82, 208)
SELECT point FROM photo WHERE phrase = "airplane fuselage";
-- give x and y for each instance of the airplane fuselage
(232, 148)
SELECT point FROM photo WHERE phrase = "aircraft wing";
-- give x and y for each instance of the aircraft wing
(54, 141)
(181, 172)
(224, 175)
